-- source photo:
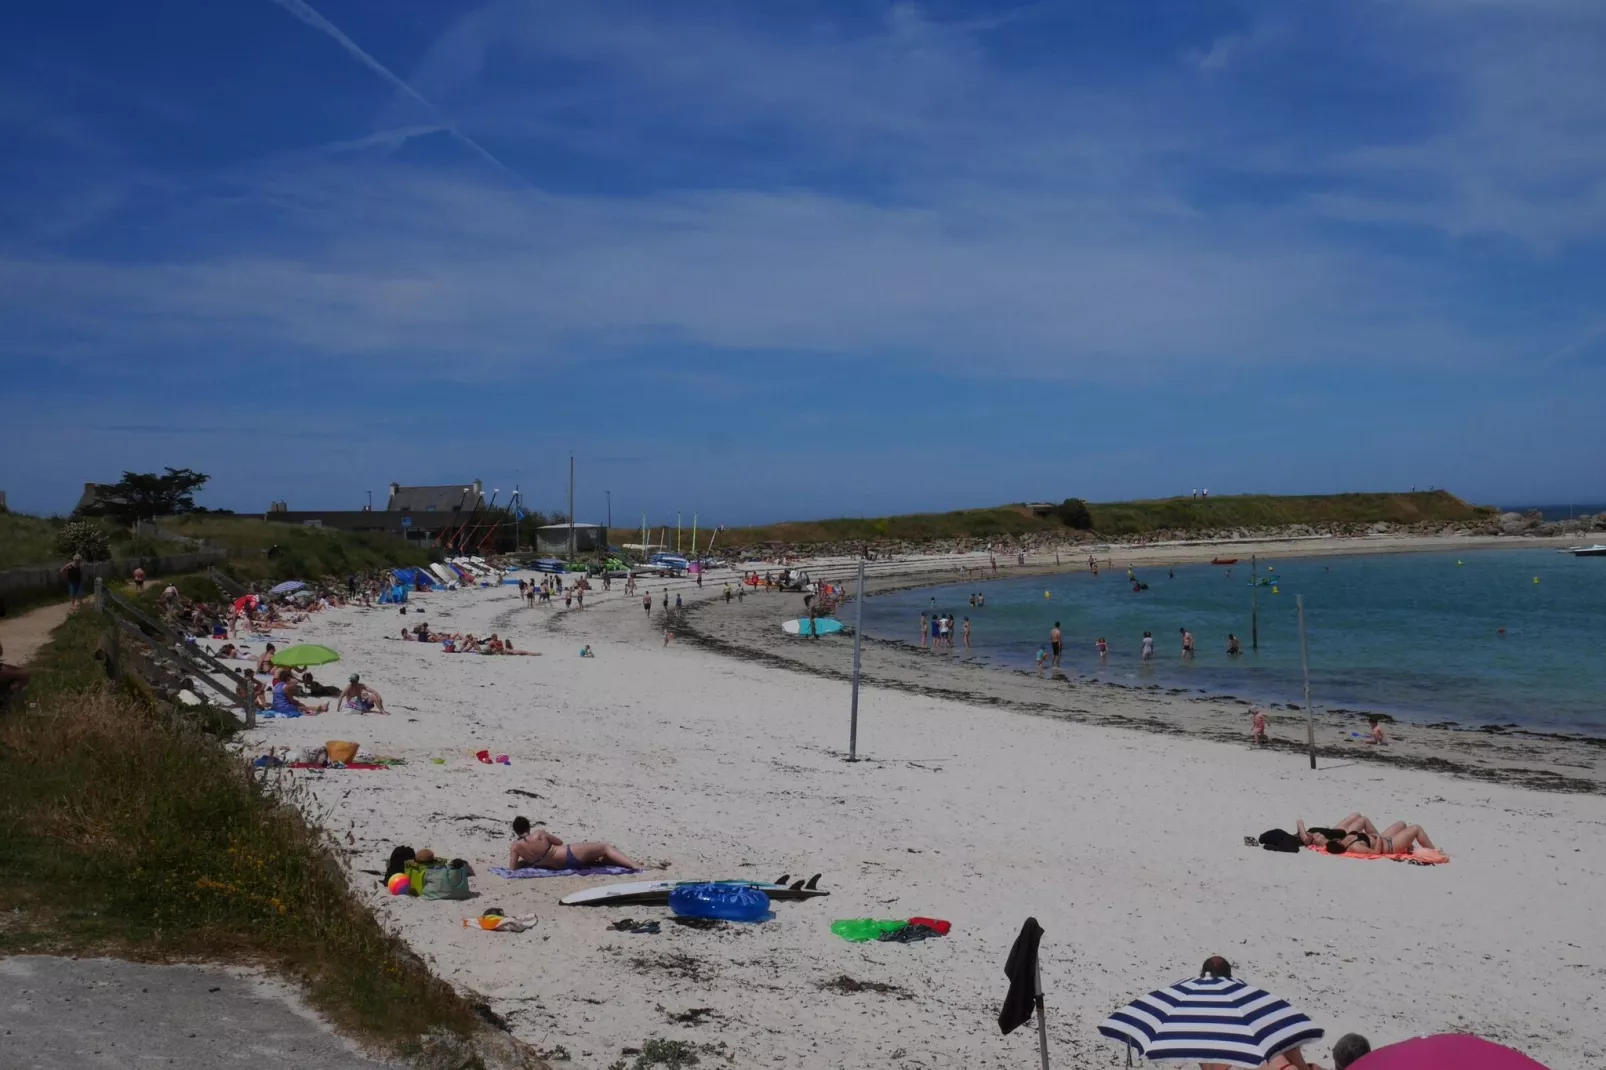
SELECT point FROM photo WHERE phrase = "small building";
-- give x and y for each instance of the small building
(554, 538)
(455, 511)
(451, 498)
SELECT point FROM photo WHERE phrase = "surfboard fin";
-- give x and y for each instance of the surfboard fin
(797, 886)
(813, 882)
(783, 878)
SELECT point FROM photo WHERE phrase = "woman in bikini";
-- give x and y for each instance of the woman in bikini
(1360, 837)
(1398, 839)
(540, 849)
(1357, 824)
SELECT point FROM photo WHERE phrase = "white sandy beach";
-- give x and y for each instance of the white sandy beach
(1127, 846)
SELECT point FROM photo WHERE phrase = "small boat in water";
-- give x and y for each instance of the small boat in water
(1223, 560)
(1597, 550)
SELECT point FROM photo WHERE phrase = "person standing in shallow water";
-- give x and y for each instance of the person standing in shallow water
(1148, 646)
(1054, 643)
(923, 632)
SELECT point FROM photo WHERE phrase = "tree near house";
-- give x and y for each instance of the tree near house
(140, 495)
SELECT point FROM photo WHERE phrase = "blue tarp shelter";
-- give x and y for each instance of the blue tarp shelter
(416, 578)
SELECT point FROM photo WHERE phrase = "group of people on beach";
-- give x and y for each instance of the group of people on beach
(937, 631)
(550, 587)
(1356, 835)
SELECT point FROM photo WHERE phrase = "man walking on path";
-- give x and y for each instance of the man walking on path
(73, 573)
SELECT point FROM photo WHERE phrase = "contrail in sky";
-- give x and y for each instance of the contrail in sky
(305, 12)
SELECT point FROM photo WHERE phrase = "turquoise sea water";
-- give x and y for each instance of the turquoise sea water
(1414, 635)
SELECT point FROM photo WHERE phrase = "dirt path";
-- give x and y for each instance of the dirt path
(123, 1013)
(22, 636)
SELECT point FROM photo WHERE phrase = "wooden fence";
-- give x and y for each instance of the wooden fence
(18, 582)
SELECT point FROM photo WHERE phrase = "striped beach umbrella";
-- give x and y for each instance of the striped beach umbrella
(1210, 1020)
(287, 586)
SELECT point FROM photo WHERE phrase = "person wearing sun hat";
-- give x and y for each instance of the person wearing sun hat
(359, 696)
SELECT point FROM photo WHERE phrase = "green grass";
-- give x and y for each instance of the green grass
(1175, 515)
(914, 527)
(260, 551)
(28, 540)
(127, 831)
(1268, 511)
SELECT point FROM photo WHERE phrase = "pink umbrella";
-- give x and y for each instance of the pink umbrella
(1448, 1051)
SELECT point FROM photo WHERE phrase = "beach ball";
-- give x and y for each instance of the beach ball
(1274, 589)
(1046, 594)
(399, 884)
(1536, 579)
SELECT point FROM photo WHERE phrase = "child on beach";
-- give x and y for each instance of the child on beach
(1257, 726)
(1375, 734)
(1042, 660)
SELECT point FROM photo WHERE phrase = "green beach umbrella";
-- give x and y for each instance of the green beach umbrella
(304, 654)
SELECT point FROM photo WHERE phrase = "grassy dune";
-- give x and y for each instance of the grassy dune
(1173, 515)
(134, 831)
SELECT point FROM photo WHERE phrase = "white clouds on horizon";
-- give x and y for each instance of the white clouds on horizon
(1012, 222)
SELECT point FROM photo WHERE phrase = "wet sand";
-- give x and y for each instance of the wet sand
(749, 629)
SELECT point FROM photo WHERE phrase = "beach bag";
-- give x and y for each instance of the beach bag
(341, 751)
(398, 861)
(1279, 840)
(439, 880)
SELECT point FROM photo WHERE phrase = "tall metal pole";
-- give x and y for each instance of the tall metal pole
(694, 536)
(1304, 665)
(571, 507)
(1254, 605)
(858, 634)
(609, 493)
(677, 531)
(1042, 1019)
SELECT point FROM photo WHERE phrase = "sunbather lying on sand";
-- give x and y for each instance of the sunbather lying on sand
(1354, 823)
(1361, 837)
(539, 849)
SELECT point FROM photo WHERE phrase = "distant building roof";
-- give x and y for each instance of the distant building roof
(455, 497)
(96, 494)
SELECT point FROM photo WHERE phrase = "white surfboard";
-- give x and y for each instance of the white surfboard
(635, 893)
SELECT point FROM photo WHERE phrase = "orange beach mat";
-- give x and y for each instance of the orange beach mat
(1424, 856)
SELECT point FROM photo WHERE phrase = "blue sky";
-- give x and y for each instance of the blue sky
(795, 259)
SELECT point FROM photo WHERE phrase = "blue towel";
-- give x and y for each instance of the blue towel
(589, 871)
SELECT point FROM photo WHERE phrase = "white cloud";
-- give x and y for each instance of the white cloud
(994, 219)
